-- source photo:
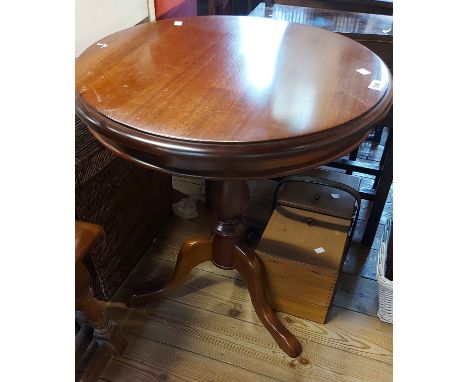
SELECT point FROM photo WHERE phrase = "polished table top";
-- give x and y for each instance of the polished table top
(232, 89)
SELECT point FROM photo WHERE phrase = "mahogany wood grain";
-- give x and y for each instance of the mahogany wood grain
(229, 201)
(230, 97)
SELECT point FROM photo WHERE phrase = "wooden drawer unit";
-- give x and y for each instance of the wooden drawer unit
(303, 250)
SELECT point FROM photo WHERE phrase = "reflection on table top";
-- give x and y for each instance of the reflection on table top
(335, 21)
(381, 7)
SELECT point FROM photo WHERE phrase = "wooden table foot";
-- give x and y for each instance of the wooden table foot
(193, 252)
(247, 263)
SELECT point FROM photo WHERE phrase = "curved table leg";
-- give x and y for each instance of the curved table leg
(248, 265)
(193, 252)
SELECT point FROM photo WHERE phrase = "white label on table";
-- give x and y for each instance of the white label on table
(177, 23)
(319, 250)
(363, 71)
(376, 85)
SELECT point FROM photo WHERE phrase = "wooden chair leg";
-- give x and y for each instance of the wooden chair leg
(82, 340)
(89, 312)
(211, 7)
(383, 188)
(101, 356)
(251, 269)
(352, 156)
(193, 252)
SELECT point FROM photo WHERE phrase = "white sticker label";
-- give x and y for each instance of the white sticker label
(376, 85)
(319, 250)
(177, 23)
(363, 71)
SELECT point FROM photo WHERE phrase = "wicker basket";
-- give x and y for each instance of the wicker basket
(385, 312)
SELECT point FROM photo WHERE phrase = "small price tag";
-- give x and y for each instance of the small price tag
(376, 85)
(363, 71)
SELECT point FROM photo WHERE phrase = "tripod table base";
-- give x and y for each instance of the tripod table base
(246, 262)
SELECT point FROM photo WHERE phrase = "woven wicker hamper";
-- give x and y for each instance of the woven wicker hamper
(130, 202)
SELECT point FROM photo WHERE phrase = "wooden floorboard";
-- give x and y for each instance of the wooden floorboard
(246, 345)
(229, 297)
(147, 360)
(208, 330)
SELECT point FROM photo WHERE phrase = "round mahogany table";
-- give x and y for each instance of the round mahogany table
(230, 98)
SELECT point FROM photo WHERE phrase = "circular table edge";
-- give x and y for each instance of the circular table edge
(232, 160)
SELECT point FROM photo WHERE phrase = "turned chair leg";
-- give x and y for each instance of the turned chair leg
(251, 270)
(193, 252)
(90, 313)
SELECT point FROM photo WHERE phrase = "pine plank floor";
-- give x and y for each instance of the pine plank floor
(208, 330)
